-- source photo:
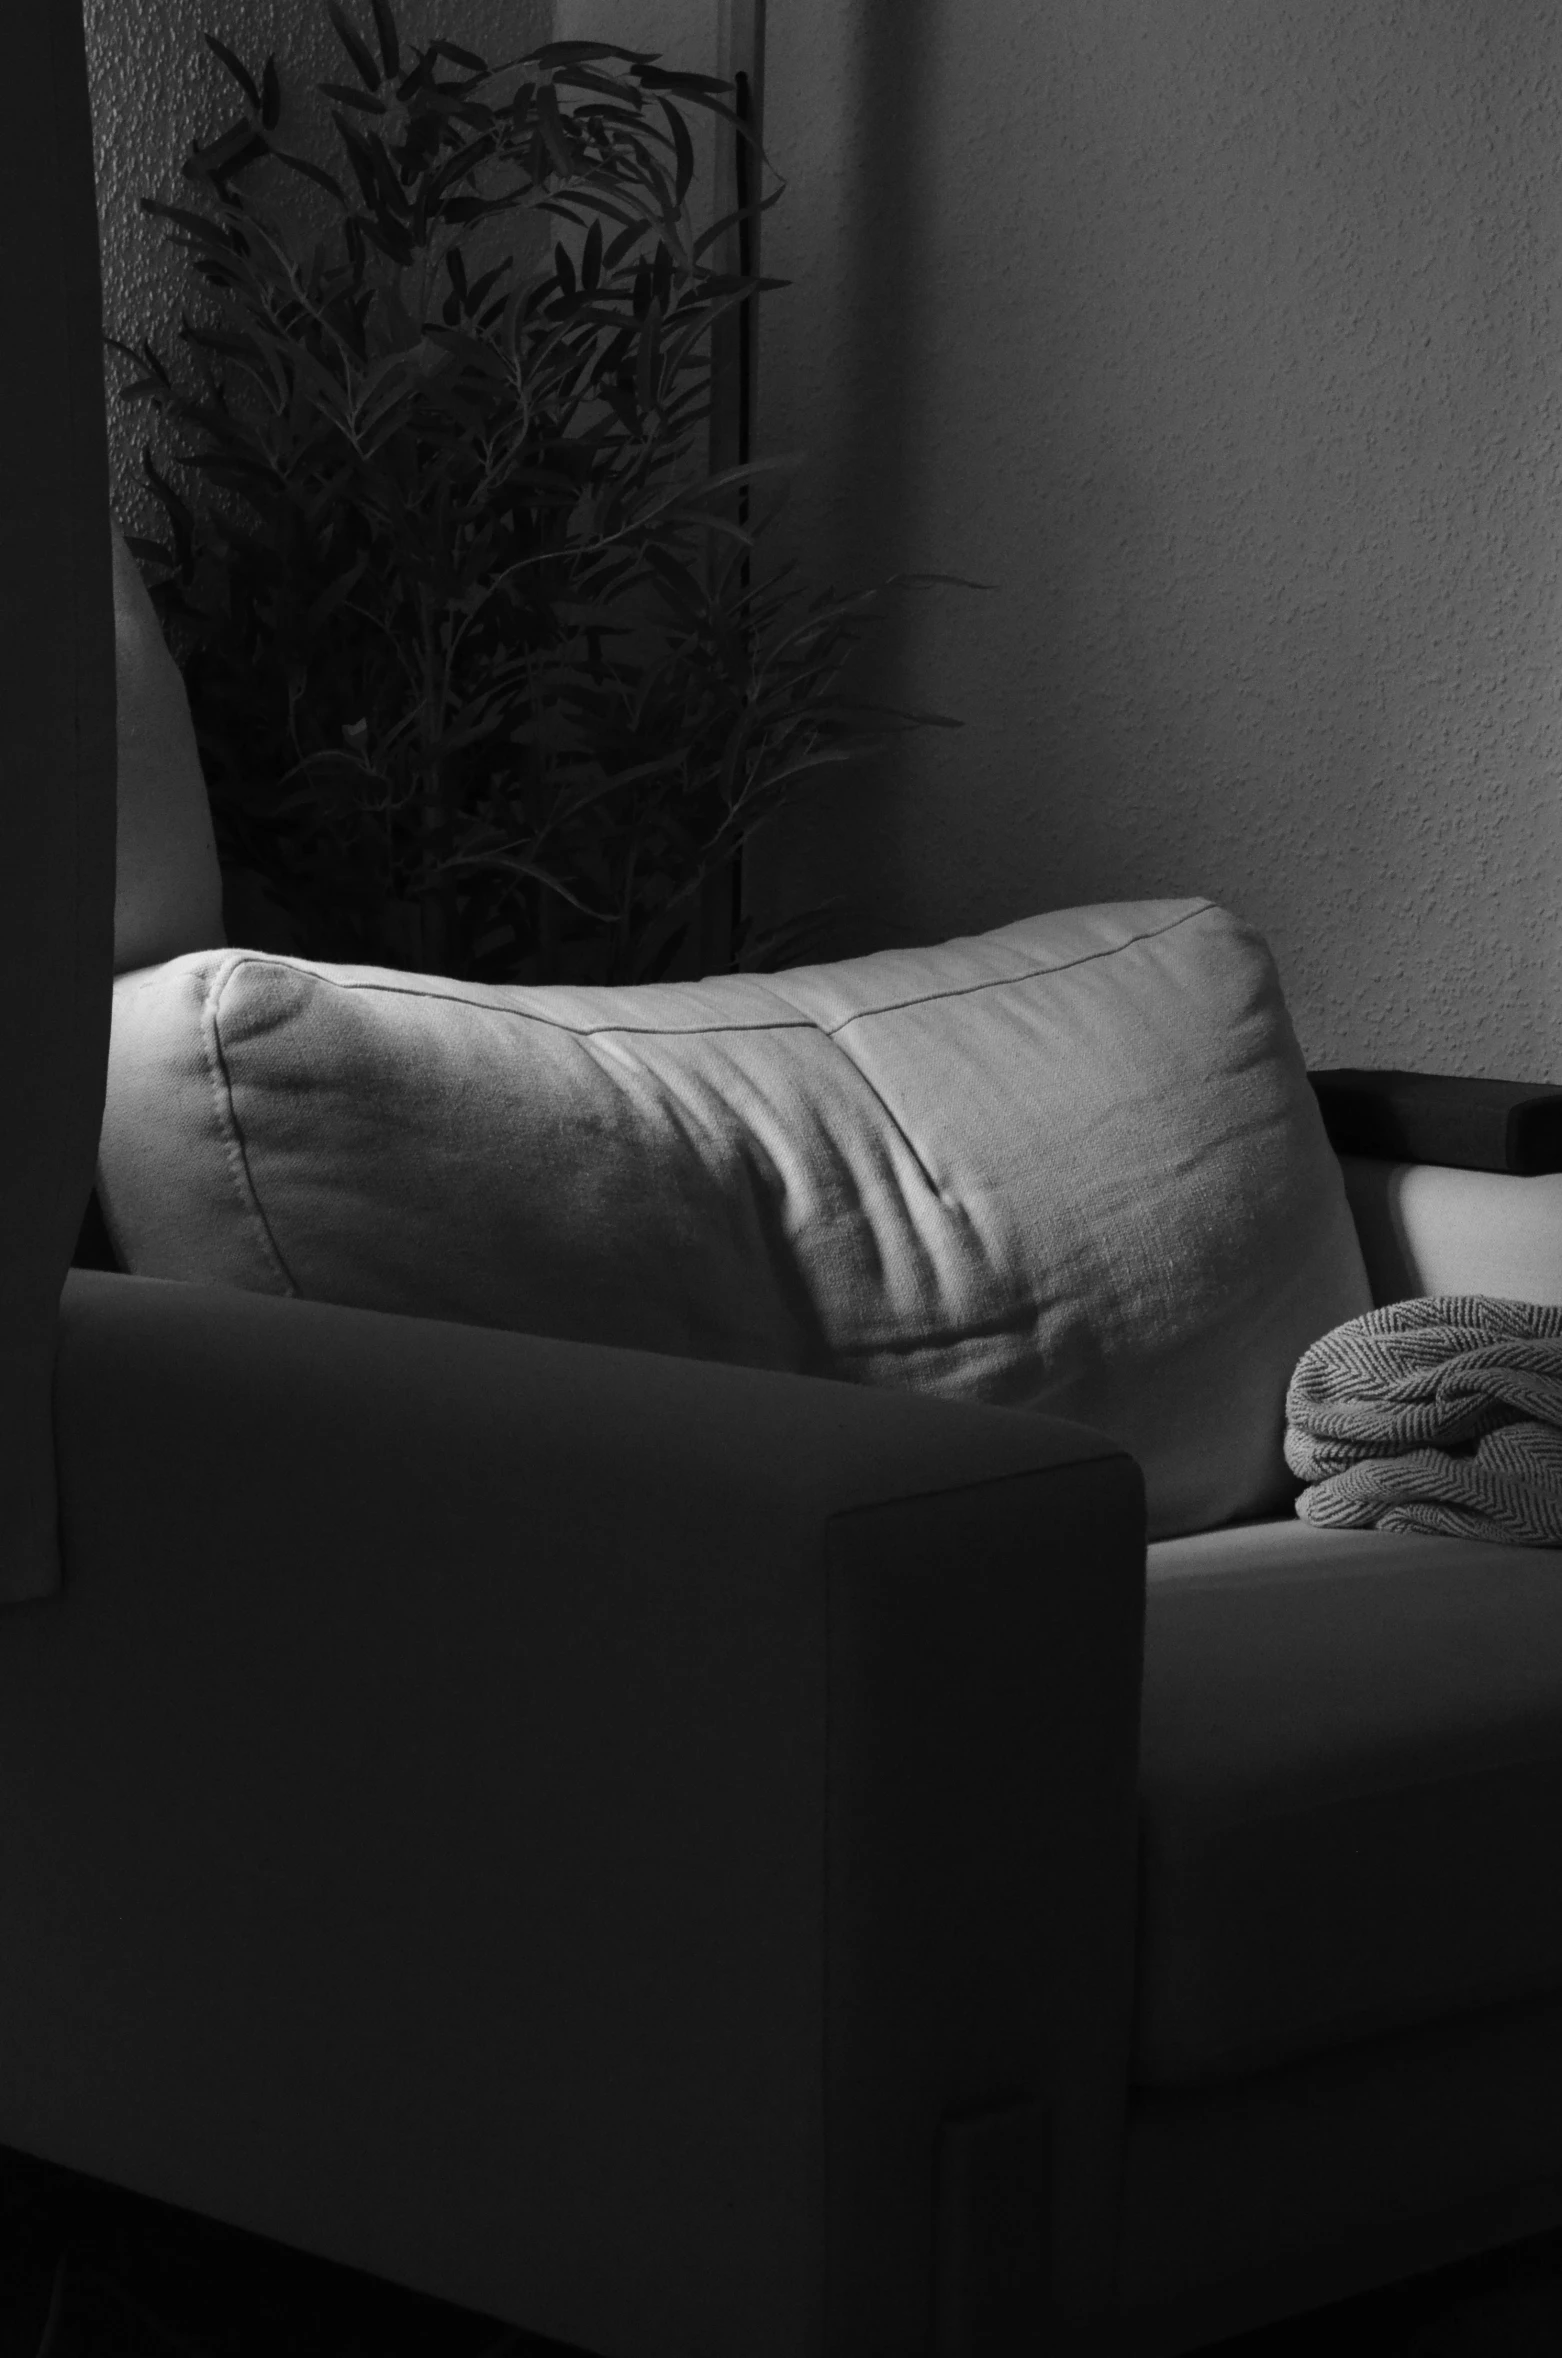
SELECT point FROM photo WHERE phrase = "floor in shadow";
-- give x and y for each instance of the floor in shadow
(1505, 2304)
(89, 2272)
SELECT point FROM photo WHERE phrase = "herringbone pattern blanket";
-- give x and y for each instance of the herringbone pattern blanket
(1442, 1414)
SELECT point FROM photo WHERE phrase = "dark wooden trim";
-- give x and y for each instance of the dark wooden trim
(1512, 1126)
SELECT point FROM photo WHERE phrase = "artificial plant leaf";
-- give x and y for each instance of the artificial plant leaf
(240, 348)
(677, 583)
(739, 214)
(510, 865)
(237, 146)
(582, 78)
(200, 225)
(683, 147)
(657, 943)
(393, 197)
(236, 67)
(363, 99)
(149, 552)
(609, 672)
(623, 244)
(473, 351)
(934, 580)
(457, 56)
(368, 72)
(462, 210)
(179, 514)
(567, 53)
(655, 77)
(385, 29)
(406, 332)
(634, 222)
(361, 157)
(139, 387)
(648, 375)
(270, 96)
(550, 122)
(490, 279)
(335, 594)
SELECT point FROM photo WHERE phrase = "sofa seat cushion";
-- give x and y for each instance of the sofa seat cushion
(1351, 1791)
(1073, 1165)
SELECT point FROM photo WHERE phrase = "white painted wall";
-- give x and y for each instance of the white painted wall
(1226, 339)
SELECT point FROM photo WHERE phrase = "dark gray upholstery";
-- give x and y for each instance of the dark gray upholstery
(1351, 1791)
(560, 1826)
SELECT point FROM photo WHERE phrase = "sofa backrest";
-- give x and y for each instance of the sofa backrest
(1429, 1229)
(57, 759)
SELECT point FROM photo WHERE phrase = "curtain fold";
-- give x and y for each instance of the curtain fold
(57, 751)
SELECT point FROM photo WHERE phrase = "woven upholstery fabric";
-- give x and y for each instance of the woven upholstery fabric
(1439, 1414)
(1073, 1165)
(1350, 1779)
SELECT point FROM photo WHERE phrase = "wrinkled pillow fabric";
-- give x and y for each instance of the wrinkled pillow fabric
(1072, 1165)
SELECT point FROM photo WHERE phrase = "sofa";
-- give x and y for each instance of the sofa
(695, 1858)
(1095, 1946)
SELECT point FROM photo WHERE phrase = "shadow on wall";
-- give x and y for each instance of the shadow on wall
(886, 270)
(850, 408)
(1228, 344)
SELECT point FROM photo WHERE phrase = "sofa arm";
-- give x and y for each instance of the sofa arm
(1455, 1184)
(1428, 1229)
(558, 1826)
(1442, 1118)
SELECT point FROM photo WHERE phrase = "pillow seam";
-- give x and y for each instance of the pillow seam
(1030, 974)
(236, 1154)
(795, 1021)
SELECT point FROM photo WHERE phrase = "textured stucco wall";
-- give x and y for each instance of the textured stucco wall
(155, 87)
(1227, 341)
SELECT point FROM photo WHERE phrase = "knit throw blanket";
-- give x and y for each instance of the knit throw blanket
(1441, 1415)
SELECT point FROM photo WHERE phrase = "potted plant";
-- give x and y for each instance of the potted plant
(486, 674)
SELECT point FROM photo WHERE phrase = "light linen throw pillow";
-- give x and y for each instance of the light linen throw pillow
(167, 883)
(1071, 1165)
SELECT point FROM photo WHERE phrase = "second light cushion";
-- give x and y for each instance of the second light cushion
(1072, 1165)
